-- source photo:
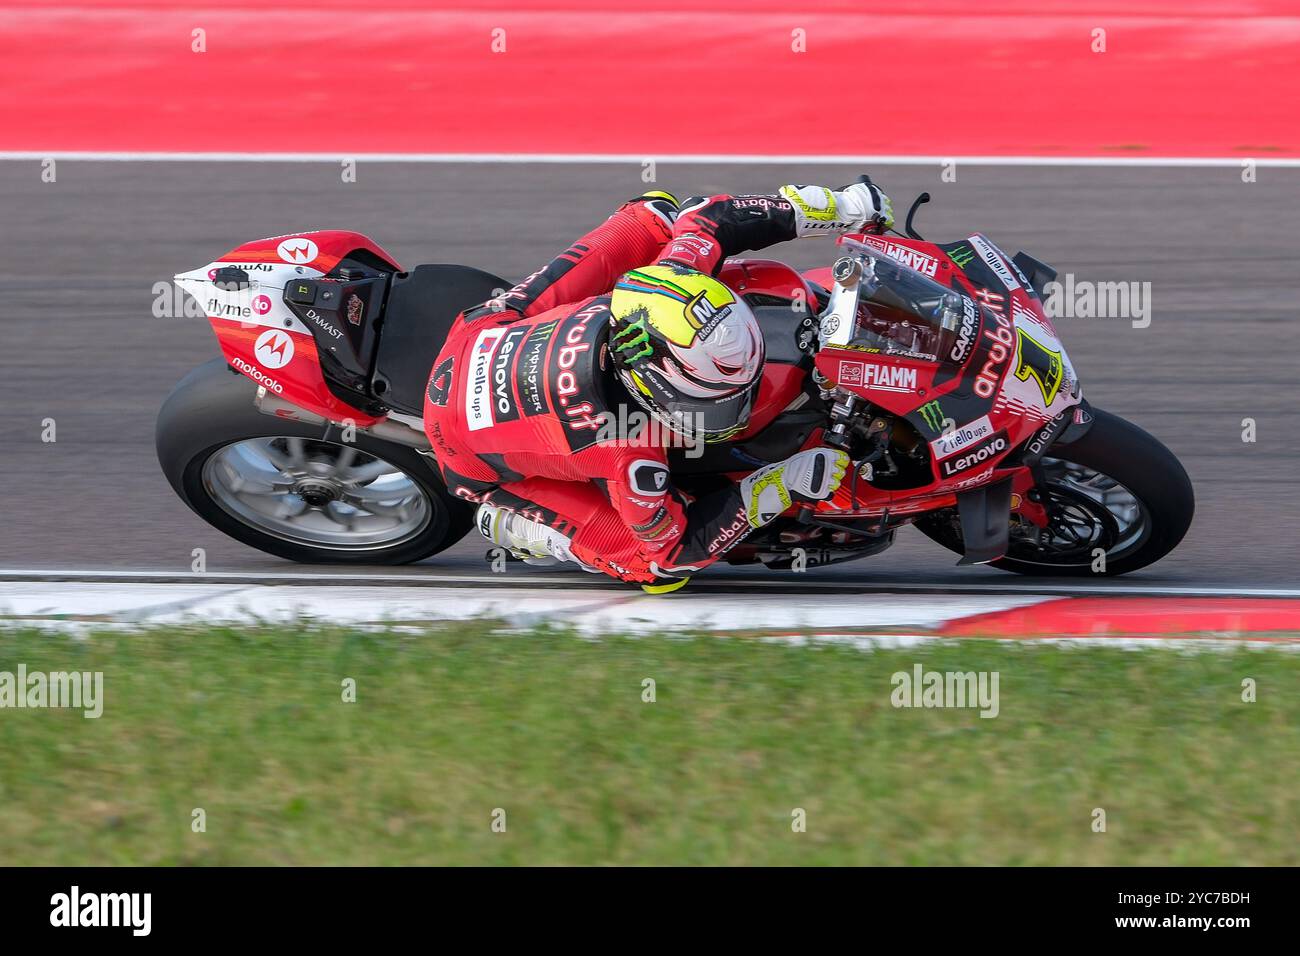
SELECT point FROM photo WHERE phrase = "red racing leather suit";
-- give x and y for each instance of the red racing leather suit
(523, 404)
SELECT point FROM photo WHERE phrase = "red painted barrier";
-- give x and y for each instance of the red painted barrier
(929, 77)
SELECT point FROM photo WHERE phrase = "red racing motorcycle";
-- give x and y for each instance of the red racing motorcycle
(933, 365)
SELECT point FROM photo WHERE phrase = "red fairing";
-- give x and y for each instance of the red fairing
(287, 365)
(781, 383)
(896, 384)
(320, 250)
(991, 391)
(286, 362)
(768, 276)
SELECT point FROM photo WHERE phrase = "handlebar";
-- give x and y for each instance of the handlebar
(920, 201)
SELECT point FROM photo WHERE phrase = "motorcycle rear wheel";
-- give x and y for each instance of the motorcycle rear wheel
(1117, 488)
(296, 490)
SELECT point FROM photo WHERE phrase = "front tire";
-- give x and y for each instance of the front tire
(1117, 488)
(296, 490)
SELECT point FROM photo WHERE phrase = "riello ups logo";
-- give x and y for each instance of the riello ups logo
(984, 452)
(949, 443)
(478, 385)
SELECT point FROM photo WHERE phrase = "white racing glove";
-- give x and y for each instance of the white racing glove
(820, 211)
(811, 475)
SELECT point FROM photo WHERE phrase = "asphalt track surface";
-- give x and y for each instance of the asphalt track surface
(79, 259)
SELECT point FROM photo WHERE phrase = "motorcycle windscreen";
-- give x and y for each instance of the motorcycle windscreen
(901, 312)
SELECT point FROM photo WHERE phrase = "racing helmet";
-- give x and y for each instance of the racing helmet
(688, 349)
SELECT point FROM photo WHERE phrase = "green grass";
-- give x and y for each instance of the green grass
(449, 725)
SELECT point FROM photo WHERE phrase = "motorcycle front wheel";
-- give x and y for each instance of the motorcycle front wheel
(1117, 499)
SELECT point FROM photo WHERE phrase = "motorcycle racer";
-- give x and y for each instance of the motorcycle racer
(525, 392)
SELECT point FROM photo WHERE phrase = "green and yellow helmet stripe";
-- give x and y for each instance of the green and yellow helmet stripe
(647, 282)
(671, 301)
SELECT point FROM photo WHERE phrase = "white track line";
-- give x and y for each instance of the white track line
(885, 620)
(529, 582)
(638, 158)
(588, 612)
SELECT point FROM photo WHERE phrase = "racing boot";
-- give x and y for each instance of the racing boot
(529, 541)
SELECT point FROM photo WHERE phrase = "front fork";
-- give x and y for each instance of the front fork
(839, 434)
(840, 419)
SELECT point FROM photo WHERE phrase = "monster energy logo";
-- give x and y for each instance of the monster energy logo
(633, 341)
(932, 415)
(962, 255)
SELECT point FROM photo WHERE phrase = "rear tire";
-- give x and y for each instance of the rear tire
(1146, 469)
(211, 411)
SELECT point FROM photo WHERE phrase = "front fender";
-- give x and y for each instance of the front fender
(1079, 425)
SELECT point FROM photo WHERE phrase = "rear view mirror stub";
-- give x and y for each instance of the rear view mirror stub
(1037, 272)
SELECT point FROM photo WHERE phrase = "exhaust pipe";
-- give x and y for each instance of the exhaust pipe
(390, 429)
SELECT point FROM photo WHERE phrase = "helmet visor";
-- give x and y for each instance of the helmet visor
(698, 419)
